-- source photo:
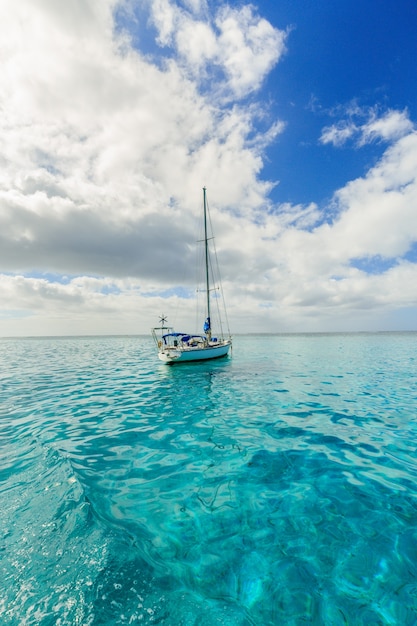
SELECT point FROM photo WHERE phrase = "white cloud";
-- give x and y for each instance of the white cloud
(248, 47)
(164, 14)
(338, 134)
(196, 43)
(239, 43)
(118, 134)
(376, 219)
(104, 154)
(366, 126)
(391, 126)
(378, 212)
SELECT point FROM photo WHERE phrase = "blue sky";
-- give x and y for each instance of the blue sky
(341, 55)
(299, 117)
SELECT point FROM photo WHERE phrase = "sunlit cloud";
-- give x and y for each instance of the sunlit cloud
(392, 125)
(236, 41)
(365, 126)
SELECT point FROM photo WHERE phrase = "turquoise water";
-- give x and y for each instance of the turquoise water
(275, 487)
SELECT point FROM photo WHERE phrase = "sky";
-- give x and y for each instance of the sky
(299, 118)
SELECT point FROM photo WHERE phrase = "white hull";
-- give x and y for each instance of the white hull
(183, 354)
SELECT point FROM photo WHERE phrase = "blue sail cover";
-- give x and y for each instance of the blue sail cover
(183, 337)
(207, 326)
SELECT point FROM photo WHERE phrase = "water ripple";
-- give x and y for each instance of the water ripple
(246, 491)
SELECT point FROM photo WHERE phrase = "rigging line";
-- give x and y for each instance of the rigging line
(223, 313)
(219, 281)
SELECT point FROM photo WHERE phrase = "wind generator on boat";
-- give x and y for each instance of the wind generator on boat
(174, 347)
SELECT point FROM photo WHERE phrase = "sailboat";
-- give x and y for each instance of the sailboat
(175, 347)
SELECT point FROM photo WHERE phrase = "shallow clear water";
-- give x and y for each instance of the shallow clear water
(275, 487)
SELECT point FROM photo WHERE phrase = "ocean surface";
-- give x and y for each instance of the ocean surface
(276, 487)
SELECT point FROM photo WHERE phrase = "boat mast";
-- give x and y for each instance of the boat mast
(206, 254)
